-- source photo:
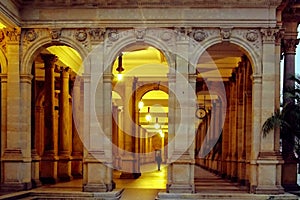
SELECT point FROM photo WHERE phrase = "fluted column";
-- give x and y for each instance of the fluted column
(49, 157)
(65, 140)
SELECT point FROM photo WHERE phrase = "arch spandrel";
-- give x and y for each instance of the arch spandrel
(32, 46)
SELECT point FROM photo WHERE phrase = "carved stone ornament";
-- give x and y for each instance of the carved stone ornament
(2, 35)
(55, 34)
(269, 34)
(13, 34)
(251, 35)
(140, 34)
(199, 35)
(166, 36)
(225, 34)
(113, 35)
(96, 33)
(81, 35)
(290, 45)
(30, 35)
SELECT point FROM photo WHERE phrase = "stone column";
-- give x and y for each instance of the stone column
(49, 158)
(267, 158)
(289, 168)
(241, 154)
(128, 165)
(16, 155)
(233, 131)
(77, 146)
(181, 155)
(65, 140)
(225, 139)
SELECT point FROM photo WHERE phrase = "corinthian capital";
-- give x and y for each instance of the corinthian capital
(269, 34)
(289, 45)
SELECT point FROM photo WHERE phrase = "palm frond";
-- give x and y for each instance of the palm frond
(275, 121)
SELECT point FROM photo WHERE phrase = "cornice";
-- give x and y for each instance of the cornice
(149, 3)
(9, 13)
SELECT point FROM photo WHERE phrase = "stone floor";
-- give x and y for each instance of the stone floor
(151, 185)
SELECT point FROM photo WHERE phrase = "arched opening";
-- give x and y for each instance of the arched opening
(57, 149)
(223, 136)
(140, 117)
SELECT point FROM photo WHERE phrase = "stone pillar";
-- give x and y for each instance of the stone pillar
(77, 146)
(241, 154)
(233, 131)
(49, 158)
(65, 140)
(128, 166)
(289, 168)
(3, 94)
(181, 156)
(268, 159)
(225, 139)
(16, 155)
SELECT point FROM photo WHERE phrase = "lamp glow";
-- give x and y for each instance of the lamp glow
(156, 125)
(141, 104)
(148, 116)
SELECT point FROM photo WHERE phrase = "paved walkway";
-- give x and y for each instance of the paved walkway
(151, 182)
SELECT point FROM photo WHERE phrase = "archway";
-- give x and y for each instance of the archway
(223, 136)
(57, 148)
(135, 139)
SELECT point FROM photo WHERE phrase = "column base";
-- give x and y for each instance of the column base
(14, 187)
(268, 190)
(64, 169)
(289, 175)
(76, 166)
(49, 169)
(99, 187)
(180, 188)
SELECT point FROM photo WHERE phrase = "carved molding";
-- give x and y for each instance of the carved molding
(113, 35)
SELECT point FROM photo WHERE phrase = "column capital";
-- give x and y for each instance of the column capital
(26, 78)
(290, 45)
(269, 35)
(49, 60)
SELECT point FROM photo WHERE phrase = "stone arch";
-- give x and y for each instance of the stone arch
(31, 53)
(129, 38)
(141, 91)
(248, 49)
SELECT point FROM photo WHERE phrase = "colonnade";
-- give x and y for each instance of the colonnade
(133, 144)
(58, 141)
(230, 157)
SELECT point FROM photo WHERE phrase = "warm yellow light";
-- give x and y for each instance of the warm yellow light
(162, 135)
(156, 125)
(2, 25)
(119, 77)
(141, 104)
(148, 117)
